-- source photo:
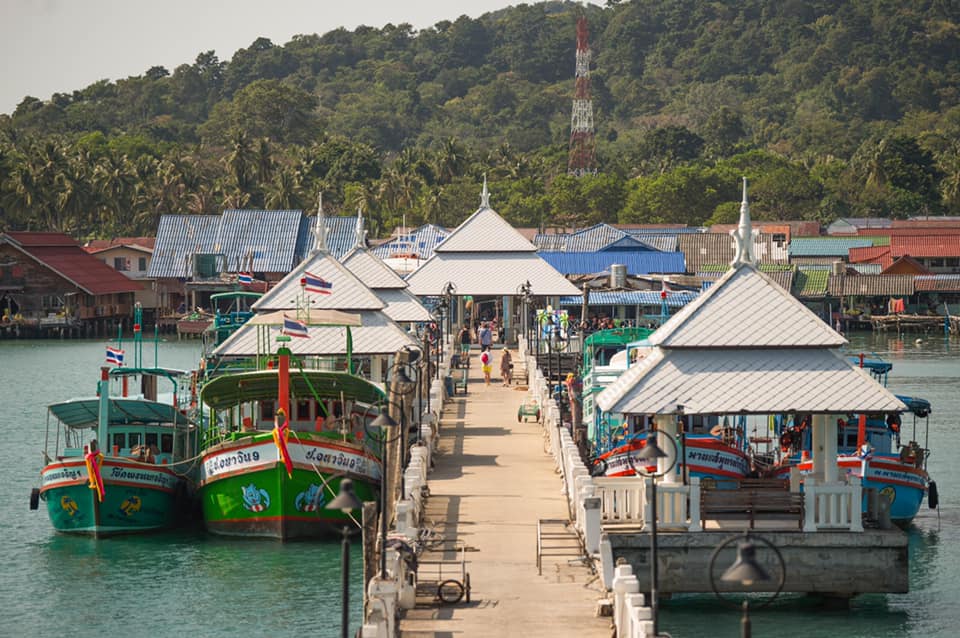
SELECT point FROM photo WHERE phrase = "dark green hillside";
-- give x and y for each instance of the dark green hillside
(832, 108)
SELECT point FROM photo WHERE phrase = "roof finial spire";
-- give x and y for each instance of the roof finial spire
(485, 194)
(361, 236)
(743, 235)
(320, 227)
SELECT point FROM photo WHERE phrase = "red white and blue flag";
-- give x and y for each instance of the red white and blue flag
(294, 328)
(114, 356)
(664, 288)
(245, 278)
(315, 283)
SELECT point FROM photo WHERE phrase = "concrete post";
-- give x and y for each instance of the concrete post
(606, 562)
(856, 505)
(405, 523)
(830, 451)
(810, 504)
(383, 595)
(624, 582)
(592, 525)
(695, 523)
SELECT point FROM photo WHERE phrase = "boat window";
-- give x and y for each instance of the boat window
(303, 410)
(152, 439)
(133, 439)
(266, 411)
(119, 440)
(166, 443)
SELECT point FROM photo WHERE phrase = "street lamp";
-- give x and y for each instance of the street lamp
(385, 423)
(448, 291)
(746, 571)
(442, 307)
(346, 501)
(524, 291)
(651, 452)
(405, 385)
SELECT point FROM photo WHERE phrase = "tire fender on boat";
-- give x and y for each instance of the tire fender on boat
(933, 496)
(35, 498)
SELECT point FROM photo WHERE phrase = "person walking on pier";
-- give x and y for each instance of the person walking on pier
(506, 367)
(485, 337)
(486, 364)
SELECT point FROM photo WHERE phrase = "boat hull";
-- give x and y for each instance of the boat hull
(705, 458)
(245, 489)
(137, 498)
(903, 484)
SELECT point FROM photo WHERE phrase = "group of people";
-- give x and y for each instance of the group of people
(485, 339)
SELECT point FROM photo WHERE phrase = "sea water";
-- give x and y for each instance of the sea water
(182, 583)
(188, 583)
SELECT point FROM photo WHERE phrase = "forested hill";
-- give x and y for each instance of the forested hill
(831, 107)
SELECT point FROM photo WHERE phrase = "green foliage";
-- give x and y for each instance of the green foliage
(829, 108)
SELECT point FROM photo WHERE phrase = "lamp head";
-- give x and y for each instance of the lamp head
(346, 500)
(384, 421)
(651, 451)
(745, 570)
(404, 382)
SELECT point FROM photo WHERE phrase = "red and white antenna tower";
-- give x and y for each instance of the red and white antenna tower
(582, 159)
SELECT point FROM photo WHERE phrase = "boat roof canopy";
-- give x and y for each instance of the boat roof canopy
(236, 294)
(234, 389)
(79, 413)
(920, 407)
(617, 336)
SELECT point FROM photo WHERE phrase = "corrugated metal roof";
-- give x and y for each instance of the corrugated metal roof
(810, 283)
(401, 306)
(753, 381)
(637, 263)
(826, 246)
(144, 244)
(866, 269)
(870, 285)
(597, 237)
(270, 236)
(488, 274)
(925, 245)
(67, 258)
(874, 254)
(378, 334)
(714, 248)
(675, 299)
(348, 292)
(178, 237)
(485, 231)
(810, 261)
(745, 309)
(666, 242)
(371, 270)
(341, 235)
(938, 283)
(420, 242)
(552, 242)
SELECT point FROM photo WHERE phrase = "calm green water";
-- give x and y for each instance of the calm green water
(931, 370)
(175, 584)
(191, 584)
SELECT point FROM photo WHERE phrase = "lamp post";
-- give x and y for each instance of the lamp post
(404, 385)
(385, 423)
(442, 307)
(652, 452)
(746, 571)
(524, 292)
(448, 291)
(346, 501)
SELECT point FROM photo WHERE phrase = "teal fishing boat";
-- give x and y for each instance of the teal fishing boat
(121, 462)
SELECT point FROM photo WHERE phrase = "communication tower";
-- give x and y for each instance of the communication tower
(582, 159)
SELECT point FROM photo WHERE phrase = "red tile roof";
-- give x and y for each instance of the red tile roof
(64, 255)
(144, 243)
(871, 255)
(911, 230)
(939, 245)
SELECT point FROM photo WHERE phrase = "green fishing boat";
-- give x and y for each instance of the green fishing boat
(282, 438)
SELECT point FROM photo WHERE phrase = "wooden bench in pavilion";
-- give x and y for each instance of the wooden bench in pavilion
(751, 499)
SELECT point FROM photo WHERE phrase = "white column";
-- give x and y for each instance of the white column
(830, 450)
(376, 369)
(667, 429)
(818, 442)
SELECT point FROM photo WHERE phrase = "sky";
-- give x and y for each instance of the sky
(58, 46)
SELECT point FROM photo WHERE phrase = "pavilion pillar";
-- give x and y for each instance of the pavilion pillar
(667, 429)
(830, 471)
(818, 445)
(507, 319)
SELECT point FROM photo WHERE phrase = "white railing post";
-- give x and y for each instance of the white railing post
(810, 505)
(856, 504)
(695, 522)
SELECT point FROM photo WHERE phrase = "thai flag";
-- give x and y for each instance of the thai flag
(245, 278)
(317, 284)
(114, 356)
(294, 328)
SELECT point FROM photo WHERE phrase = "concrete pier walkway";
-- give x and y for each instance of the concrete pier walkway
(492, 483)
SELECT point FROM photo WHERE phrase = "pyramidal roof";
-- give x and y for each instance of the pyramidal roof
(485, 231)
(746, 309)
(347, 291)
(371, 270)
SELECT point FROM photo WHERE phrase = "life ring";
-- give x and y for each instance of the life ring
(716, 430)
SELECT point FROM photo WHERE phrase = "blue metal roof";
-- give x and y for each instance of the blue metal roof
(637, 263)
(597, 237)
(341, 235)
(666, 242)
(826, 246)
(675, 299)
(276, 239)
(420, 241)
